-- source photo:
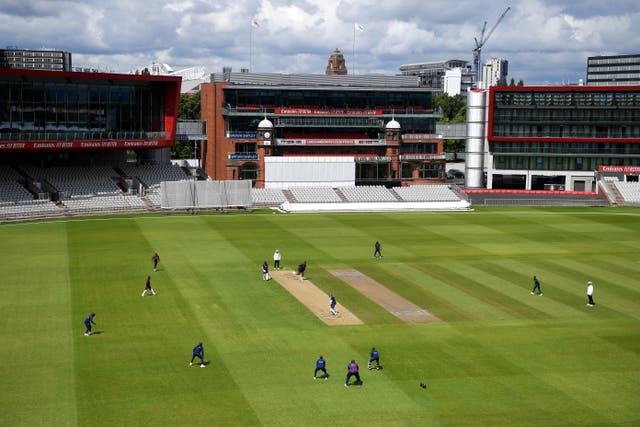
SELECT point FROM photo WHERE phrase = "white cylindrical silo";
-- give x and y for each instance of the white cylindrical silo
(474, 149)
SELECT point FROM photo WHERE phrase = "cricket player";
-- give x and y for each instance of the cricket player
(265, 271)
(377, 250)
(590, 294)
(353, 370)
(276, 260)
(332, 305)
(147, 287)
(374, 357)
(155, 259)
(536, 285)
(321, 366)
(198, 351)
(87, 323)
(301, 269)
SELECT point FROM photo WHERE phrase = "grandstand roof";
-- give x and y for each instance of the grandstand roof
(318, 80)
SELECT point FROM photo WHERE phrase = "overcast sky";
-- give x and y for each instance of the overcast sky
(545, 41)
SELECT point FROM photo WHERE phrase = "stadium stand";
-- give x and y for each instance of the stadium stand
(377, 193)
(427, 193)
(11, 191)
(630, 191)
(76, 181)
(315, 195)
(30, 209)
(267, 196)
(152, 175)
(105, 204)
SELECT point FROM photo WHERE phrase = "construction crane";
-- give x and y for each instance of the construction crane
(479, 43)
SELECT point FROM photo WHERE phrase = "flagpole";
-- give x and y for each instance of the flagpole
(251, 48)
(353, 49)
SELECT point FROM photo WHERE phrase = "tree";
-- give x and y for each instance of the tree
(454, 108)
(189, 109)
(520, 82)
(513, 82)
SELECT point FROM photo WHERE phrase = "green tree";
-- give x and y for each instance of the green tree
(454, 108)
(520, 82)
(513, 82)
(189, 109)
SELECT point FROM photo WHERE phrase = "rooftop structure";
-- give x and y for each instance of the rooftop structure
(431, 74)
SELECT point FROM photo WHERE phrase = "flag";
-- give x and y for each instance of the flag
(255, 23)
(358, 27)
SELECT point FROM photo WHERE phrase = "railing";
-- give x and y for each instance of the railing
(452, 130)
(324, 122)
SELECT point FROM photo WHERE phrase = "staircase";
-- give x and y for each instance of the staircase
(341, 195)
(289, 195)
(148, 204)
(396, 195)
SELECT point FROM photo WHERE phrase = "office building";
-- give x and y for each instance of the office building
(494, 73)
(613, 70)
(30, 59)
(551, 138)
(432, 74)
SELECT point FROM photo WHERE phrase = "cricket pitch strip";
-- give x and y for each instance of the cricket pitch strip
(315, 299)
(395, 304)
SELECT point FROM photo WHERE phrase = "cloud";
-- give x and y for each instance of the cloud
(544, 40)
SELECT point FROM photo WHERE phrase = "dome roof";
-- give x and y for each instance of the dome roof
(265, 123)
(393, 124)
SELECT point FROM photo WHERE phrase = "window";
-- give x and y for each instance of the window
(430, 170)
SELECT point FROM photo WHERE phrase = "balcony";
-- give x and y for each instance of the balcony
(330, 142)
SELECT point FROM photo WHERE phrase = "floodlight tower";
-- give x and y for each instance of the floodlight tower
(479, 43)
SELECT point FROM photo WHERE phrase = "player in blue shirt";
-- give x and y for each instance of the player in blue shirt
(155, 259)
(87, 323)
(377, 250)
(301, 269)
(198, 351)
(536, 285)
(321, 366)
(374, 357)
(332, 305)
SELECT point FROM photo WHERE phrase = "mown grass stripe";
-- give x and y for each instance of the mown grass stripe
(426, 291)
(465, 277)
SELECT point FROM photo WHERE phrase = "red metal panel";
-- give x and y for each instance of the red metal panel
(8, 146)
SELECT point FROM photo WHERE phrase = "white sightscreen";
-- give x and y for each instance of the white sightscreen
(205, 194)
(309, 171)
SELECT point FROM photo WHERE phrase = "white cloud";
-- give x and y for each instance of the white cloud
(543, 40)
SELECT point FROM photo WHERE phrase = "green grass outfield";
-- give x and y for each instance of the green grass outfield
(500, 357)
